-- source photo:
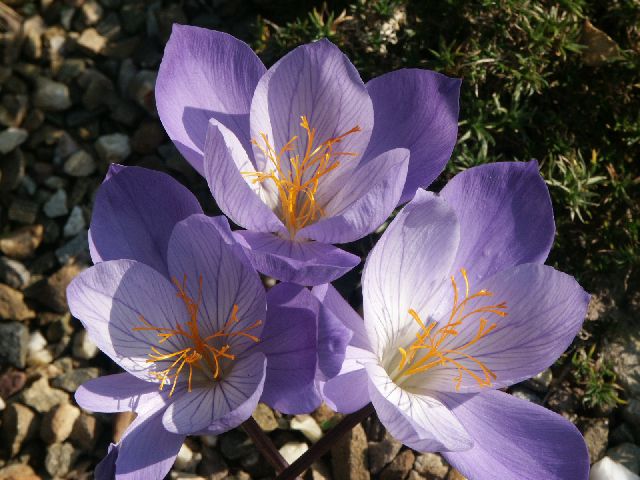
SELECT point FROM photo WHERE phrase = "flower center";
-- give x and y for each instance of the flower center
(297, 176)
(427, 351)
(202, 353)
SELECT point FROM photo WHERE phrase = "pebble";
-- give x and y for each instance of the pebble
(11, 382)
(596, 436)
(431, 465)
(92, 41)
(83, 347)
(12, 306)
(79, 164)
(541, 382)
(2, 404)
(37, 342)
(631, 413)
(383, 452)
(56, 206)
(78, 246)
(264, 417)
(23, 242)
(12, 138)
(51, 96)
(14, 341)
(52, 292)
(525, 394)
(85, 432)
(40, 358)
(71, 380)
(19, 423)
(308, 426)
(213, 465)
(91, 12)
(60, 457)
(626, 454)
(14, 273)
(23, 211)
(235, 445)
(400, 467)
(113, 148)
(607, 469)
(41, 397)
(349, 456)
(187, 460)
(75, 223)
(142, 88)
(18, 471)
(291, 451)
(58, 422)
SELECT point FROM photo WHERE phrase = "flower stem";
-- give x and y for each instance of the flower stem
(264, 444)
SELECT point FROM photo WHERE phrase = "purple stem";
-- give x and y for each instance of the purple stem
(264, 445)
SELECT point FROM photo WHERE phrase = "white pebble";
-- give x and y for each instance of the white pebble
(308, 426)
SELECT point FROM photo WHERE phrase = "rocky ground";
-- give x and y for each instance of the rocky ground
(77, 93)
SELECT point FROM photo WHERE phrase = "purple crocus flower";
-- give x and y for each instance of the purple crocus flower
(302, 155)
(458, 304)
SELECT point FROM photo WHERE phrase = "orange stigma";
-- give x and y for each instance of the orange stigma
(201, 354)
(426, 351)
(297, 177)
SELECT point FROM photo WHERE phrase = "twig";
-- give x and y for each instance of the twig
(264, 444)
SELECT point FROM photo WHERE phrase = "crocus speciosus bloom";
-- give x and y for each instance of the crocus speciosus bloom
(458, 304)
(302, 155)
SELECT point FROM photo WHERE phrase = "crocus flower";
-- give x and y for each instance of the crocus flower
(302, 155)
(175, 302)
(458, 304)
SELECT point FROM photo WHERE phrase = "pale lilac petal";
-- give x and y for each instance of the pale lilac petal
(225, 161)
(112, 298)
(205, 74)
(418, 110)
(318, 81)
(505, 217)
(420, 421)
(134, 213)
(202, 249)
(134, 461)
(93, 252)
(516, 439)
(120, 392)
(304, 263)
(348, 391)
(289, 342)
(407, 269)
(223, 405)
(545, 310)
(366, 198)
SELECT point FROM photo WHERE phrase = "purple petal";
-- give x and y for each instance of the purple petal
(317, 81)
(112, 298)
(421, 422)
(222, 406)
(106, 469)
(238, 198)
(147, 450)
(418, 110)
(289, 341)
(505, 217)
(366, 198)
(407, 268)
(202, 249)
(121, 392)
(304, 263)
(545, 310)
(333, 338)
(205, 74)
(134, 213)
(348, 391)
(516, 439)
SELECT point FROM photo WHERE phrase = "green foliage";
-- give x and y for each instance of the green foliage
(597, 378)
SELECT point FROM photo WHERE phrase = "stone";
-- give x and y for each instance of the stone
(400, 467)
(325, 416)
(349, 456)
(3, 405)
(75, 223)
(19, 424)
(85, 432)
(18, 471)
(264, 417)
(383, 452)
(58, 422)
(607, 469)
(12, 306)
(51, 96)
(631, 413)
(431, 465)
(235, 445)
(525, 394)
(91, 12)
(59, 459)
(624, 353)
(147, 138)
(79, 164)
(41, 397)
(55, 182)
(52, 292)
(12, 138)
(627, 454)
(541, 382)
(23, 242)
(13, 273)
(92, 41)
(40, 358)
(11, 382)
(599, 47)
(623, 433)
(142, 88)
(596, 435)
(308, 426)
(455, 475)
(77, 247)
(14, 341)
(37, 342)
(113, 148)
(56, 206)
(71, 380)
(213, 465)
(320, 471)
(12, 171)
(187, 460)
(58, 325)
(83, 347)
(291, 451)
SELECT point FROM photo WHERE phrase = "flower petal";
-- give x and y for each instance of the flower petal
(421, 422)
(348, 391)
(418, 110)
(223, 405)
(237, 197)
(545, 310)
(289, 340)
(134, 213)
(111, 300)
(333, 338)
(407, 267)
(205, 74)
(516, 439)
(202, 249)
(318, 81)
(121, 392)
(505, 217)
(304, 263)
(365, 200)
